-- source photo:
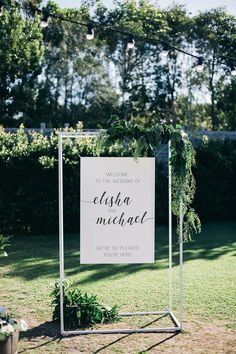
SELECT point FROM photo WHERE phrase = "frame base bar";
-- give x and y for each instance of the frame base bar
(124, 331)
(144, 313)
(174, 319)
(132, 330)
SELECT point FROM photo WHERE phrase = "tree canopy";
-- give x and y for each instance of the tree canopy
(54, 75)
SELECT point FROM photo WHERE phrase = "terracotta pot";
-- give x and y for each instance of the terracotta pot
(10, 344)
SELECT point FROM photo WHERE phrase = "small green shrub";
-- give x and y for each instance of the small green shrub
(80, 308)
(4, 243)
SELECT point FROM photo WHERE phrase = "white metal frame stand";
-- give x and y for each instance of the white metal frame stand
(178, 324)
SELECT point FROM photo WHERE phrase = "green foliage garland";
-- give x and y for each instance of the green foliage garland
(135, 140)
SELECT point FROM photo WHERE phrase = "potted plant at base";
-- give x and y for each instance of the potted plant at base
(9, 333)
(9, 328)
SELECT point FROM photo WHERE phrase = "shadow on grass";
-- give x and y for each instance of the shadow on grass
(32, 257)
(48, 330)
(170, 336)
(109, 345)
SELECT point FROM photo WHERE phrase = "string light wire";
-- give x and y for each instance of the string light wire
(90, 34)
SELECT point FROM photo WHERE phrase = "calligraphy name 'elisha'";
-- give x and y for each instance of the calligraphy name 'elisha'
(112, 201)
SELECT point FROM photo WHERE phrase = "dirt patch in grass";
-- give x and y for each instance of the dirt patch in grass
(197, 338)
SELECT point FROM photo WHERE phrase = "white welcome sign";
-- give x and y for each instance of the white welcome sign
(117, 210)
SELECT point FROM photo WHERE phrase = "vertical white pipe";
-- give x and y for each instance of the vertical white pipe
(61, 229)
(170, 226)
(181, 261)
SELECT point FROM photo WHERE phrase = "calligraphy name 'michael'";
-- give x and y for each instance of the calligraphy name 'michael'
(122, 220)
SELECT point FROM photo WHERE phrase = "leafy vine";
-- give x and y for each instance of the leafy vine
(138, 141)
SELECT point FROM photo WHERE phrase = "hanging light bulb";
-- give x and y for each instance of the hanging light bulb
(131, 42)
(165, 51)
(90, 33)
(232, 65)
(199, 66)
(233, 70)
(44, 20)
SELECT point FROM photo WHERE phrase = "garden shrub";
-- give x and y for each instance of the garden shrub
(80, 308)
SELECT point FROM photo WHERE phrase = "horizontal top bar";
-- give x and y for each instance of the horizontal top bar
(79, 134)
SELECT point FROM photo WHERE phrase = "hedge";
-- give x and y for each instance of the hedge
(29, 182)
(215, 174)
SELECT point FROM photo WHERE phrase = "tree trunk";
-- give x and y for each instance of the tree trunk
(172, 98)
(214, 118)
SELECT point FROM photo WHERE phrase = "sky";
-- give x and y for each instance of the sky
(192, 6)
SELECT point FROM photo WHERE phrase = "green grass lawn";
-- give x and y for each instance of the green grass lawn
(29, 273)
